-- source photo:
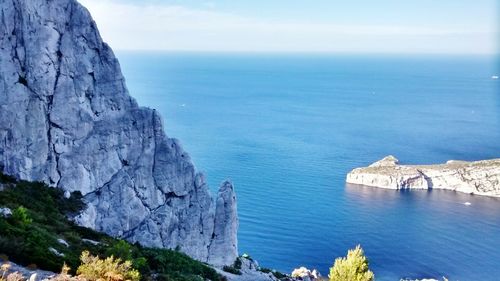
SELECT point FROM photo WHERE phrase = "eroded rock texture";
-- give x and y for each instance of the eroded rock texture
(226, 222)
(67, 119)
(480, 177)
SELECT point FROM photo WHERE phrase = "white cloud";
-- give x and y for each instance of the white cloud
(159, 26)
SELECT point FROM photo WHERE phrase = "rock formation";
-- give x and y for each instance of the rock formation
(66, 118)
(31, 274)
(250, 271)
(5, 212)
(223, 246)
(480, 177)
(305, 274)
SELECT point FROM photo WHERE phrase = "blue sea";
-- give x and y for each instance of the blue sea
(287, 128)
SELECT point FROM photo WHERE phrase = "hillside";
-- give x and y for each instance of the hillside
(39, 234)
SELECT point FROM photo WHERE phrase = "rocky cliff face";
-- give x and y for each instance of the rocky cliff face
(67, 119)
(226, 221)
(480, 177)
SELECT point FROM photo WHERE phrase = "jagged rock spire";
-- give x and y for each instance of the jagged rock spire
(224, 251)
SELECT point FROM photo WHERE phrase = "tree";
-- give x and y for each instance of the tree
(120, 250)
(354, 267)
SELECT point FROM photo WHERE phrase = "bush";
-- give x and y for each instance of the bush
(170, 263)
(276, 274)
(111, 269)
(121, 250)
(235, 268)
(40, 218)
(231, 269)
(20, 216)
(7, 179)
(354, 267)
(237, 263)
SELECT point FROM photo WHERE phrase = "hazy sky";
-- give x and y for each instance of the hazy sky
(359, 26)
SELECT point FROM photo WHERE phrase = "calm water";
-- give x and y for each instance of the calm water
(286, 130)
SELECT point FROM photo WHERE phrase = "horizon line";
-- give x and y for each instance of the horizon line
(292, 52)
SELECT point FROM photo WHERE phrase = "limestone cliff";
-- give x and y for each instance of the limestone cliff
(480, 177)
(226, 220)
(66, 118)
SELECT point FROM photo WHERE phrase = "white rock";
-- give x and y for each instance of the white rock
(63, 242)
(66, 118)
(305, 274)
(480, 177)
(5, 212)
(34, 274)
(91, 241)
(56, 252)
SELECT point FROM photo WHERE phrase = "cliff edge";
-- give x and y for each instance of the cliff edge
(66, 119)
(480, 177)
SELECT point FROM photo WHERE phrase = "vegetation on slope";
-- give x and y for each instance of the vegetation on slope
(40, 234)
(354, 267)
(235, 268)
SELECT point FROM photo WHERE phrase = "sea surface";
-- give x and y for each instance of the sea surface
(287, 128)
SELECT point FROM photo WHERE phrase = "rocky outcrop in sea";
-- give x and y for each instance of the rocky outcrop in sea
(66, 119)
(479, 177)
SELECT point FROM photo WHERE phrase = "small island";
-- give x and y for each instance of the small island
(479, 177)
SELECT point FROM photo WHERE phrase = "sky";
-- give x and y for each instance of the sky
(336, 26)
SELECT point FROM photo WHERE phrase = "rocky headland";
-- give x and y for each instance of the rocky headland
(479, 177)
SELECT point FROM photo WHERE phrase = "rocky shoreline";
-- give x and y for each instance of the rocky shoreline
(478, 177)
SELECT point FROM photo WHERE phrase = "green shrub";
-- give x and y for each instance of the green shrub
(41, 218)
(354, 267)
(7, 179)
(237, 263)
(20, 215)
(276, 274)
(231, 269)
(279, 275)
(234, 268)
(121, 250)
(170, 262)
(141, 264)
